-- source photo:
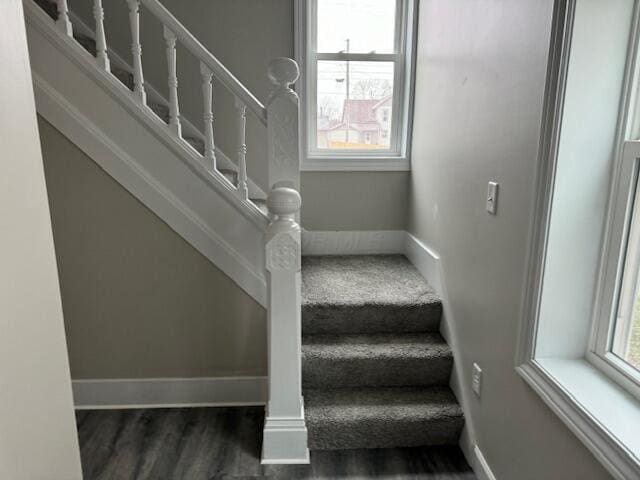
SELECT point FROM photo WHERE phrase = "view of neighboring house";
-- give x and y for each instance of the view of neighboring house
(364, 124)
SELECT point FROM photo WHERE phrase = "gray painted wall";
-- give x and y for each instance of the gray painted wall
(480, 82)
(245, 35)
(138, 301)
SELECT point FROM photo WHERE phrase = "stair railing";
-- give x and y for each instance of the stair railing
(174, 32)
(285, 434)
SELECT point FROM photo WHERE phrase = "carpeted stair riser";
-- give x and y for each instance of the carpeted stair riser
(370, 318)
(382, 417)
(334, 361)
(49, 7)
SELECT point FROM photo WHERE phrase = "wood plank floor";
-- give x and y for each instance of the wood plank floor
(224, 443)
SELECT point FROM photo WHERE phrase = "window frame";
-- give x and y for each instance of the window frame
(403, 57)
(621, 223)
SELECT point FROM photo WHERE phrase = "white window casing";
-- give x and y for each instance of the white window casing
(397, 156)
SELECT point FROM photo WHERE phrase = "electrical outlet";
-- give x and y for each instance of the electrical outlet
(492, 198)
(476, 379)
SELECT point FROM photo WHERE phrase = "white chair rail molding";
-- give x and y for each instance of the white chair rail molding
(580, 333)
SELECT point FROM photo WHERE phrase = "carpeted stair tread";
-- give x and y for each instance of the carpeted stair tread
(50, 8)
(381, 417)
(366, 294)
(125, 77)
(196, 142)
(261, 204)
(410, 359)
(88, 43)
(162, 111)
(230, 175)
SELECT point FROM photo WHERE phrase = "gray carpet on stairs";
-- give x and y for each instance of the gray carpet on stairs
(366, 293)
(374, 369)
(375, 360)
(382, 417)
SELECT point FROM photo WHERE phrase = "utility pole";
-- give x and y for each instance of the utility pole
(347, 107)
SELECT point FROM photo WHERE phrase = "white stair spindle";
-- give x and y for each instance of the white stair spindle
(63, 22)
(242, 150)
(136, 50)
(174, 109)
(101, 39)
(207, 116)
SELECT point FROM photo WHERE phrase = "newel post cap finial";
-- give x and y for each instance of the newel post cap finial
(283, 71)
(284, 201)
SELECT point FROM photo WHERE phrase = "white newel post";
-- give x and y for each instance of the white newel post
(282, 125)
(285, 432)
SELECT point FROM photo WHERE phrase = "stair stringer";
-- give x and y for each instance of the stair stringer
(99, 114)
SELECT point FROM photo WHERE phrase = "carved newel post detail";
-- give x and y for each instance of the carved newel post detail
(285, 433)
(282, 124)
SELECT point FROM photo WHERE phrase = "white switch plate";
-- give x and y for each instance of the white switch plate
(476, 379)
(492, 197)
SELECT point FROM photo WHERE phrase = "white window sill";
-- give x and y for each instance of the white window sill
(605, 417)
(356, 164)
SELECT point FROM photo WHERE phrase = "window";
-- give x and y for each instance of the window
(579, 342)
(356, 94)
(616, 343)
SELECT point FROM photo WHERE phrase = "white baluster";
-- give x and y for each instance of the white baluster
(63, 22)
(174, 110)
(136, 50)
(101, 40)
(242, 150)
(207, 116)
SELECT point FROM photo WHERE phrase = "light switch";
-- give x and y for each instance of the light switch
(492, 198)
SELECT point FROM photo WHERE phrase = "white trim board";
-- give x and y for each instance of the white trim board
(315, 242)
(481, 466)
(428, 263)
(169, 392)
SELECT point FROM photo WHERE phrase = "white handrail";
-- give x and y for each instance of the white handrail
(219, 71)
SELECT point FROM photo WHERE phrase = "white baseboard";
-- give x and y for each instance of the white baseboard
(481, 467)
(425, 260)
(316, 242)
(169, 392)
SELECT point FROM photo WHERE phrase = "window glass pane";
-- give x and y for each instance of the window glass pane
(626, 338)
(362, 119)
(356, 26)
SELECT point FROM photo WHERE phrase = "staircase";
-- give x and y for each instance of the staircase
(375, 369)
(372, 366)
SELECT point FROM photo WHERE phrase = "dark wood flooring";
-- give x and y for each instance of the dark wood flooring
(224, 443)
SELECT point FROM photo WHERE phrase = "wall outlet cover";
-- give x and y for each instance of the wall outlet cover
(476, 379)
